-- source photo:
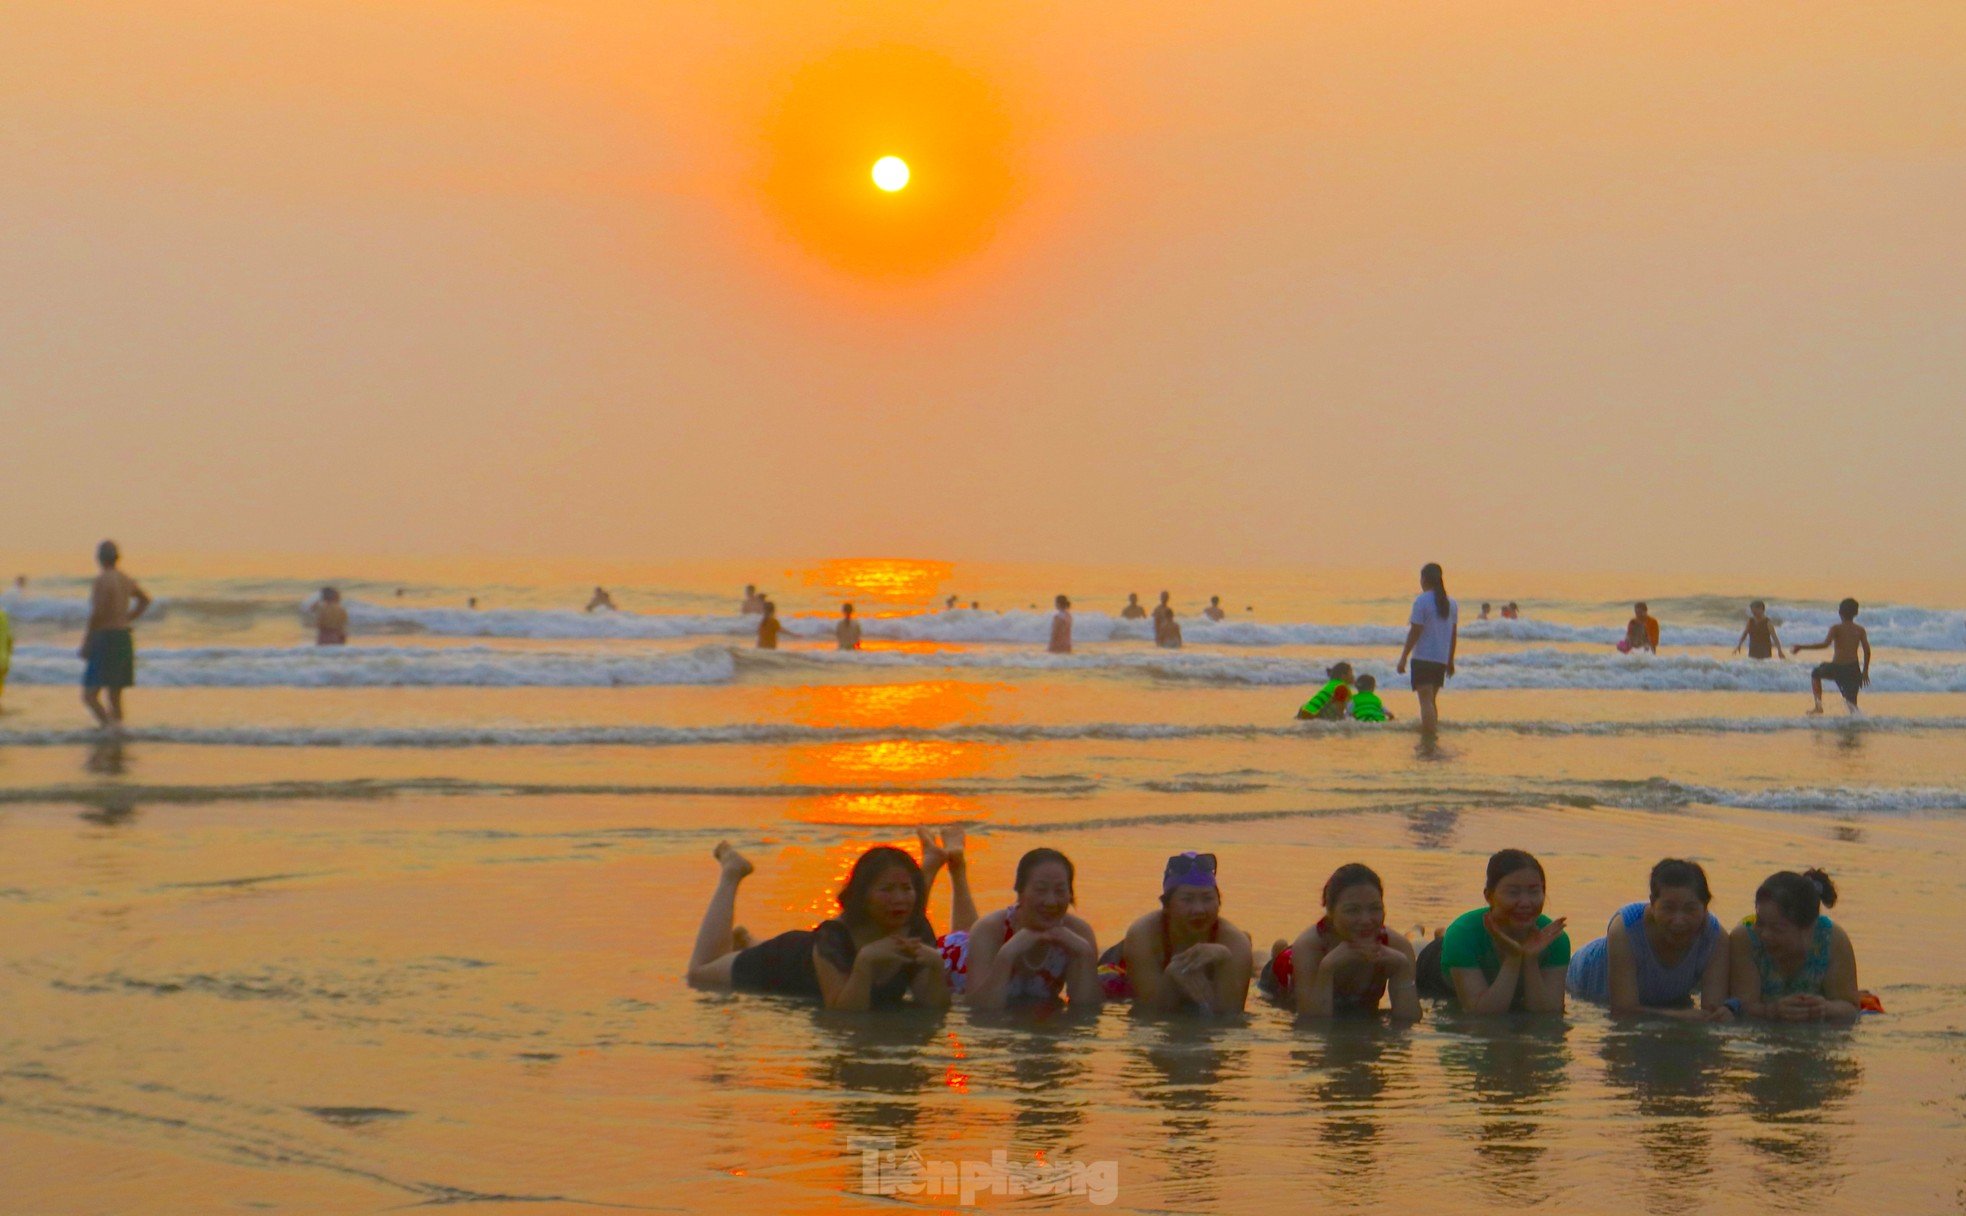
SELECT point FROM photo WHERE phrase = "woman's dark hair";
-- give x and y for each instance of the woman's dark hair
(1345, 877)
(1037, 857)
(1507, 862)
(870, 869)
(1800, 898)
(1431, 579)
(1674, 872)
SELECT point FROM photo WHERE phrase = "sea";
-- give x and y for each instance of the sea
(403, 923)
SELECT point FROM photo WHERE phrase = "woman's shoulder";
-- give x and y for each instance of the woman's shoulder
(990, 924)
(1468, 922)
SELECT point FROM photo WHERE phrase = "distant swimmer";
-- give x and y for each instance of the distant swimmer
(1759, 635)
(330, 619)
(847, 632)
(108, 647)
(950, 605)
(754, 604)
(1061, 628)
(769, 627)
(1844, 641)
(472, 603)
(600, 600)
(1641, 632)
(1484, 610)
(6, 648)
(1214, 610)
(1510, 611)
(1133, 611)
(1167, 631)
(976, 605)
(20, 583)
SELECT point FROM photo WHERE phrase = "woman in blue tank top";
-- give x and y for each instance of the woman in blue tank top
(1658, 956)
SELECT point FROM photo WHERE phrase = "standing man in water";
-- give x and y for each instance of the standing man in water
(847, 633)
(769, 627)
(1214, 610)
(108, 650)
(1061, 628)
(1133, 611)
(330, 619)
(1844, 641)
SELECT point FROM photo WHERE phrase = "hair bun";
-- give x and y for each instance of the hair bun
(1825, 889)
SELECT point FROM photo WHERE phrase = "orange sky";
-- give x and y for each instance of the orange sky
(1666, 285)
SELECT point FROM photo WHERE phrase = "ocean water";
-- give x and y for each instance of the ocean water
(403, 923)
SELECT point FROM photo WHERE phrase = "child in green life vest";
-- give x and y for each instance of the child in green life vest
(1329, 701)
(1366, 705)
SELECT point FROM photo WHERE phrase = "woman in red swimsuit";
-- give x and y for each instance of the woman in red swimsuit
(1185, 957)
(1034, 952)
(1348, 960)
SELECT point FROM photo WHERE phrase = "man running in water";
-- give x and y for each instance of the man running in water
(115, 603)
(1845, 639)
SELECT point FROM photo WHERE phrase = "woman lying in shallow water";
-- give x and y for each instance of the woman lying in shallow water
(879, 951)
(1789, 963)
(1348, 960)
(1657, 955)
(1184, 957)
(1034, 952)
(1506, 956)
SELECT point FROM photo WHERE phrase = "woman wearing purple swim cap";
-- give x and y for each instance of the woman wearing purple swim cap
(1184, 957)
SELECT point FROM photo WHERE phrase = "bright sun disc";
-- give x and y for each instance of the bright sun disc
(890, 173)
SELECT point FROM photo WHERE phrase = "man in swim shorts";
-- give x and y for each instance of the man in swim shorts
(108, 650)
(1845, 640)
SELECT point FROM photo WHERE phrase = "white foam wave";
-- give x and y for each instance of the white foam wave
(1891, 626)
(1873, 798)
(786, 734)
(390, 666)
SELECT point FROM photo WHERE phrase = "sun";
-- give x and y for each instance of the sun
(890, 173)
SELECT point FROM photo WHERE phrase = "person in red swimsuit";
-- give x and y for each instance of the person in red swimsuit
(1348, 960)
(1035, 952)
(1185, 957)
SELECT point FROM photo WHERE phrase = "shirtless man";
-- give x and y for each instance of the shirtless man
(769, 627)
(601, 599)
(1846, 638)
(1167, 634)
(115, 603)
(1214, 610)
(847, 632)
(754, 604)
(1133, 611)
(1061, 628)
(1759, 636)
(330, 619)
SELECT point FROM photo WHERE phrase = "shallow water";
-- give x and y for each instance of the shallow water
(339, 949)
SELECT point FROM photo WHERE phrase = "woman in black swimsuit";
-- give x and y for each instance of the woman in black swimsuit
(879, 951)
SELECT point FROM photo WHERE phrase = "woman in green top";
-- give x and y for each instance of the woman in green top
(1789, 963)
(1506, 956)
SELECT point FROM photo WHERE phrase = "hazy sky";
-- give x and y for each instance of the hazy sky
(1662, 285)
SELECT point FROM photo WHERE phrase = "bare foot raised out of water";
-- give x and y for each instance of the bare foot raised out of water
(933, 854)
(953, 840)
(736, 864)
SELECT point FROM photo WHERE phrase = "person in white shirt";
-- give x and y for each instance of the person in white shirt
(1061, 628)
(1434, 633)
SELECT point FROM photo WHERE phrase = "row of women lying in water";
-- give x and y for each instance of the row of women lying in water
(1667, 955)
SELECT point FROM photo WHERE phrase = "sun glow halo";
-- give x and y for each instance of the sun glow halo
(890, 173)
